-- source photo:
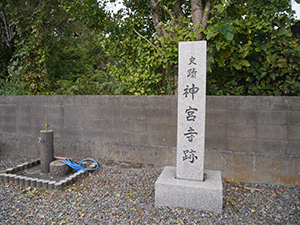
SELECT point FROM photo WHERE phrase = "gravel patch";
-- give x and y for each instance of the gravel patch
(11, 161)
(118, 195)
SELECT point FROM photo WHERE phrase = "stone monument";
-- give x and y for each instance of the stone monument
(189, 185)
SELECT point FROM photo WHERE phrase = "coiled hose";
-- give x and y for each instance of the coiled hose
(78, 167)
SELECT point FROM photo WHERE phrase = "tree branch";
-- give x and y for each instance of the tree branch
(207, 8)
(7, 31)
(147, 41)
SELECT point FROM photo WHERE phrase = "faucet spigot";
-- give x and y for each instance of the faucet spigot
(41, 140)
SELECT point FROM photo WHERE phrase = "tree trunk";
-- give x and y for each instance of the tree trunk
(200, 15)
(178, 13)
(156, 17)
(158, 9)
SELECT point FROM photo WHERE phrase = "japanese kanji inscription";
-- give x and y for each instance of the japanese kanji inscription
(191, 110)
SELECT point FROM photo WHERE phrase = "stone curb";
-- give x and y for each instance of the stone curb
(8, 177)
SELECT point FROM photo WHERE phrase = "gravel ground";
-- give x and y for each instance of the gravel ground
(118, 195)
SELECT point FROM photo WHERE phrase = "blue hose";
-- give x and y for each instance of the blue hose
(78, 167)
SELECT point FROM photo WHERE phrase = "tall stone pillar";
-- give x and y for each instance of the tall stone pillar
(46, 149)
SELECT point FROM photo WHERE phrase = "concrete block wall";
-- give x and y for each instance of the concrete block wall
(128, 129)
(254, 138)
(247, 138)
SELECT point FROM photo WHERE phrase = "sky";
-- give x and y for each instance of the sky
(296, 7)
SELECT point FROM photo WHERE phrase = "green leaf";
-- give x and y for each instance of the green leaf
(263, 75)
(245, 62)
(229, 36)
(223, 29)
(282, 32)
(211, 33)
(230, 28)
(273, 76)
(220, 8)
(237, 66)
(260, 46)
(63, 222)
(210, 58)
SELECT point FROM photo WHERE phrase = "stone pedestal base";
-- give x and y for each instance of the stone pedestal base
(200, 195)
(59, 169)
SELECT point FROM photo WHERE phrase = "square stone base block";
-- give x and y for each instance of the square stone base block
(200, 195)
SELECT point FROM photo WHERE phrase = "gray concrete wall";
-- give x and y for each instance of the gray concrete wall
(248, 138)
